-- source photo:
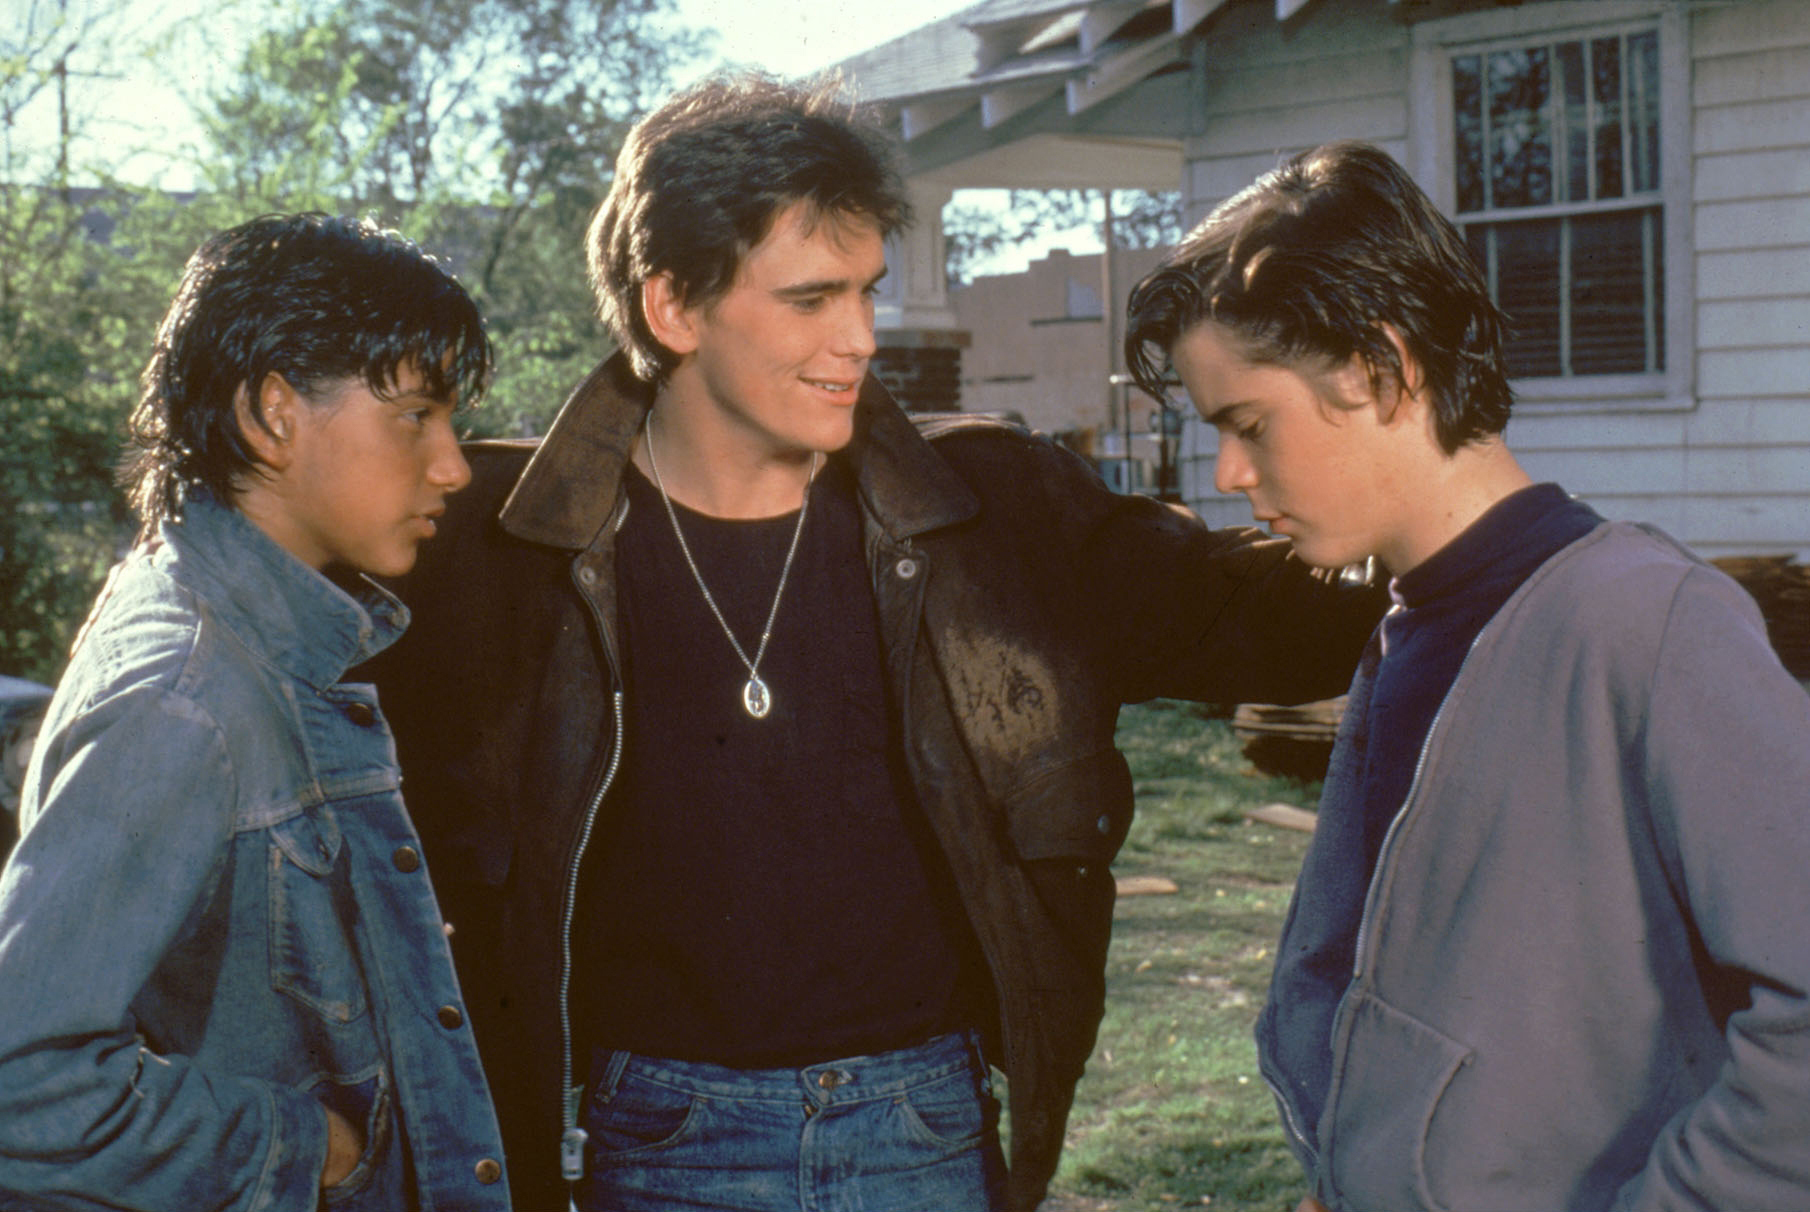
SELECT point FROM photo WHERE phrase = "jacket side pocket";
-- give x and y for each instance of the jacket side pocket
(1387, 1084)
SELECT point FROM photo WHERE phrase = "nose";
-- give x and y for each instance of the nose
(1233, 470)
(448, 470)
(855, 332)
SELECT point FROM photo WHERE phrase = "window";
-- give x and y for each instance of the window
(1555, 160)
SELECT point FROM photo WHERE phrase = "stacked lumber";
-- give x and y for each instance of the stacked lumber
(1781, 587)
(1295, 741)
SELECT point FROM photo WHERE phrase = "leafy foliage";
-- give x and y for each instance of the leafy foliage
(486, 130)
(69, 349)
(974, 233)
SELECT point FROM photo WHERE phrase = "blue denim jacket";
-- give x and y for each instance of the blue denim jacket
(216, 921)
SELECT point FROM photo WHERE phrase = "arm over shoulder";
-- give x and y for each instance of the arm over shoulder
(1181, 609)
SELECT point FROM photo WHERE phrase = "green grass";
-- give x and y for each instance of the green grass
(1172, 1111)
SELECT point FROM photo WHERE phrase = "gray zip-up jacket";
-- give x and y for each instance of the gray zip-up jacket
(1583, 972)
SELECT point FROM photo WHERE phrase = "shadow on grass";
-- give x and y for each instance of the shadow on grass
(1231, 1174)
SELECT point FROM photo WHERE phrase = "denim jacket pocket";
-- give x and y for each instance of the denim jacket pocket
(364, 1100)
(1388, 1081)
(312, 955)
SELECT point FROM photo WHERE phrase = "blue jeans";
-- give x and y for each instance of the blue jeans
(903, 1131)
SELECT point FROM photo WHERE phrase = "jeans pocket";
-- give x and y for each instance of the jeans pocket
(312, 956)
(950, 1111)
(638, 1116)
(365, 1101)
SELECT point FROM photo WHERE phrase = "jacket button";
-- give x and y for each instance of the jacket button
(906, 568)
(449, 1017)
(488, 1170)
(406, 858)
(587, 575)
(361, 714)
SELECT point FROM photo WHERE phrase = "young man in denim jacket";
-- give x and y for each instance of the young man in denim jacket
(224, 981)
(1548, 948)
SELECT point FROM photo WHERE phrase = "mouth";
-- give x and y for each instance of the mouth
(835, 387)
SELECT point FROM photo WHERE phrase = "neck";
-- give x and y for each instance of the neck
(713, 469)
(1459, 489)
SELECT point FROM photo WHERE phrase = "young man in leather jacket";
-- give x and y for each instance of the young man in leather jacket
(767, 736)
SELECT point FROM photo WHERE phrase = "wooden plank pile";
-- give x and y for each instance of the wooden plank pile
(1295, 741)
(1781, 587)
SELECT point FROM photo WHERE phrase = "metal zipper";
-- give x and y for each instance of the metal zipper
(1289, 1122)
(1420, 765)
(572, 1137)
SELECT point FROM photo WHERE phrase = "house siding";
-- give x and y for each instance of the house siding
(1726, 469)
(1040, 341)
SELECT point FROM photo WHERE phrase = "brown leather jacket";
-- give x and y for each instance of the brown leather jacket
(1020, 603)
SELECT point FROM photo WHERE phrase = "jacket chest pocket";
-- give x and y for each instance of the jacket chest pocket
(313, 956)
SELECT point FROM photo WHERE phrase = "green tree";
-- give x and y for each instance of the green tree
(485, 129)
(974, 232)
(70, 343)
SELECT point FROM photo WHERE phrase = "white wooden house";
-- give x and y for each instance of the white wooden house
(1634, 174)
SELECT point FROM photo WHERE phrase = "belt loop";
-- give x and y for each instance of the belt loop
(983, 1071)
(611, 1077)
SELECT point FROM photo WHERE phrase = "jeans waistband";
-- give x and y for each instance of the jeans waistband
(853, 1078)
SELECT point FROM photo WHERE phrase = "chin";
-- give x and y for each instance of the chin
(1324, 555)
(396, 565)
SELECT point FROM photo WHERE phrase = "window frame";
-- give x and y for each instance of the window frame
(1431, 140)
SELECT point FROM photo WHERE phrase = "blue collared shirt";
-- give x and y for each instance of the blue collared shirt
(217, 921)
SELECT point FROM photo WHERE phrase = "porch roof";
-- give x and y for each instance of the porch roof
(1044, 93)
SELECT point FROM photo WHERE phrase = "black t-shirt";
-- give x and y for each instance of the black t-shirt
(761, 892)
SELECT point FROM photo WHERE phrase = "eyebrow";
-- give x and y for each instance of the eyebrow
(825, 286)
(1223, 416)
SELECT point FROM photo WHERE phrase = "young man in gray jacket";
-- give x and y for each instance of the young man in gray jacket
(1548, 947)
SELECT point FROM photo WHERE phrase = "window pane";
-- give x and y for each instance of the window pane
(1573, 84)
(1527, 288)
(1605, 65)
(1643, 106)
(1611, 323)
(1520, 144)
(1467, 123)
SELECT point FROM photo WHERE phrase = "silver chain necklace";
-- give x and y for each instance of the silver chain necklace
(757, 699)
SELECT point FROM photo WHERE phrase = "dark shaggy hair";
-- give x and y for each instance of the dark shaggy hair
(701, 180)
(315, 299)
(1309, 263)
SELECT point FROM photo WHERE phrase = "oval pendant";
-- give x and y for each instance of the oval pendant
(756, 698)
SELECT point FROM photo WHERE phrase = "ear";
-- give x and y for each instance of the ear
(673, 323)
(268, 422)
(1409, 392)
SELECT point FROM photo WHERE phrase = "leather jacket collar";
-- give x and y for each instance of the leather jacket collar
(568, 491)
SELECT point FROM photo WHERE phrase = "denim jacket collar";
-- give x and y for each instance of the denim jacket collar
(292, 616)
(568, 491)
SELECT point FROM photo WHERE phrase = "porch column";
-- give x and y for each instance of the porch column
(919, 346)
